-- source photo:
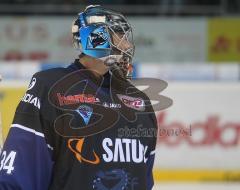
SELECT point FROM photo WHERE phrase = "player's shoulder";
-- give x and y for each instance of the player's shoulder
(50, 76)
(135, 87)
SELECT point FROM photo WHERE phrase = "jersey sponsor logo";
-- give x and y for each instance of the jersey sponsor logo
(111, 105)
(32, 83)
(114, 179)
(85, 112)
(124, 150)
(31, 99)
(75, 99)
(132, 102)
(118, 150)
(76, 146)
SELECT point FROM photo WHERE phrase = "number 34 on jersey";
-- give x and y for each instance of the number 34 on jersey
(7, 161)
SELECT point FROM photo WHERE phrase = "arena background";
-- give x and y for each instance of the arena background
(193, 45)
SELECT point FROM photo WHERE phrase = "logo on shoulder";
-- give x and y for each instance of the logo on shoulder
(32, 83)
(31, 99)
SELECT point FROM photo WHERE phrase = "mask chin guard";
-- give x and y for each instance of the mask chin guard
(120, 63)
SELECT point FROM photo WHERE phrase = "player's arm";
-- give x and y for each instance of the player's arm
(26, 161)
(150, 163)
(151, 156)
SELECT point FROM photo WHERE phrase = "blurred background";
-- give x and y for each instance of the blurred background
(193, 45)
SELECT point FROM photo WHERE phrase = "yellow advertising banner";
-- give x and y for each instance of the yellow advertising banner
(224, 39)
(9, 99)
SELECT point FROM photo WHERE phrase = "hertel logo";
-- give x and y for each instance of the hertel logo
(29, 98)
(75, 99)
(132, 102)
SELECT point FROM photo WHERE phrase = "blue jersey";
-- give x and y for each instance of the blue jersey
(74, 129)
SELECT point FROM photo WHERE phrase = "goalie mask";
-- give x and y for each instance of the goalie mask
(105, 35)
